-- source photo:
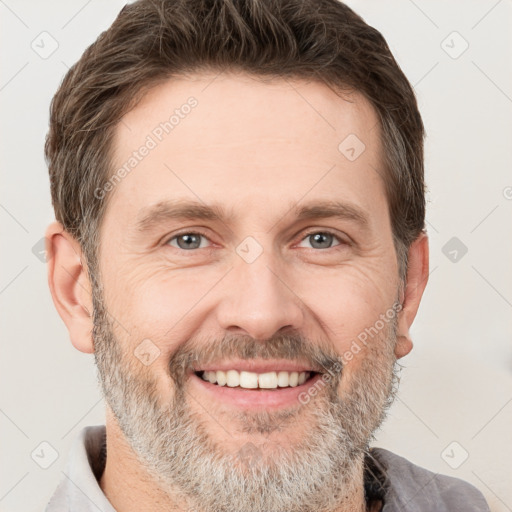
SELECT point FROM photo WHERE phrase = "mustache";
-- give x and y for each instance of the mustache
(320, 356)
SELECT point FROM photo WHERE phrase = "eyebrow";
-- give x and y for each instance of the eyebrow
(164, 211)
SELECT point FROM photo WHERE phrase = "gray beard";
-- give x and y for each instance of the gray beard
(174, 444)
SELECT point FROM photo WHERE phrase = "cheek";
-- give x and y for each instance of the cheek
(160, 304)
(169, 306)
(348, 300)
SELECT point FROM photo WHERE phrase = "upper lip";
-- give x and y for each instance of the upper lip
(258, 366)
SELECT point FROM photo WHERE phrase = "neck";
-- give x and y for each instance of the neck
(125, 482)
(128, 485)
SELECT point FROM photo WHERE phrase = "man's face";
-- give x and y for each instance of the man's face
(258, 289)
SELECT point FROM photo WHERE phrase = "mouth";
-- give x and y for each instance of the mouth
(252, 380)
(255, 384)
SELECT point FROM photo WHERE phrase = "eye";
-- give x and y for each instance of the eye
(322, 239)
(193, 240)
(187, 241)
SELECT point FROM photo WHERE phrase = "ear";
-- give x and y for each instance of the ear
(417, 277)
(70, 286)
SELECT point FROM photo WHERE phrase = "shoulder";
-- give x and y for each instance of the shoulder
(416, 489)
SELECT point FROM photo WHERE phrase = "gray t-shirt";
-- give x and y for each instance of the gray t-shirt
(399, 484)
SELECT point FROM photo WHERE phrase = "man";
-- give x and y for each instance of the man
(239, 195)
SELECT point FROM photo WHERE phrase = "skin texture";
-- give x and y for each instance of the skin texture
(259, 150)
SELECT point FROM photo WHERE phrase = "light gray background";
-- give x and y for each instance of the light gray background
(457, 385)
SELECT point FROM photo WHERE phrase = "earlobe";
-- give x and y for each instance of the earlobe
(403, 346)
(70, 285)
(417, 277)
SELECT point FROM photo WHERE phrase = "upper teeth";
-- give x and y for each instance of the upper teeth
(250, 380)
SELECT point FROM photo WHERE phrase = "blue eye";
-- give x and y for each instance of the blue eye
(322, 239)
(191, 240)
(187, 241)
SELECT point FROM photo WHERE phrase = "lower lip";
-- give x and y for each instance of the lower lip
(253, 398)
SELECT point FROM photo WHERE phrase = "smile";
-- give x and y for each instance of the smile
(251, 384)
(251, 380)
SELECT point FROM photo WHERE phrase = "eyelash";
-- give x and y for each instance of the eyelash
(306, 235)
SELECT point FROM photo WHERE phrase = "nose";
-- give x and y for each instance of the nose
(259, 301)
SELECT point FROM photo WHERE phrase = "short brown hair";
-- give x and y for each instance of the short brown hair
(153, 40)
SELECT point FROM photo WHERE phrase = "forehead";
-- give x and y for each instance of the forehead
(242, 141)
